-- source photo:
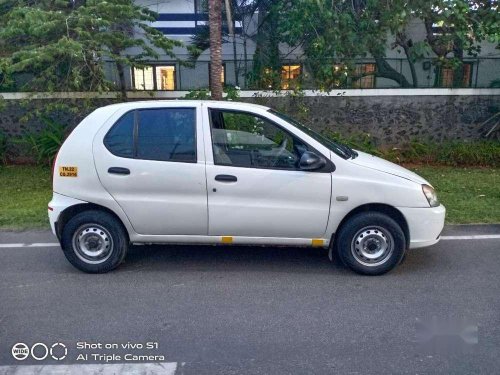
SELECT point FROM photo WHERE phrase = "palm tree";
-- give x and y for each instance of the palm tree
(215, 23)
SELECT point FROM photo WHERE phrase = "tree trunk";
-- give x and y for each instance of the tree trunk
(384, 70)
(245, 54)
(215, 23)
(121, 78)
(403, 41)
(413, 71)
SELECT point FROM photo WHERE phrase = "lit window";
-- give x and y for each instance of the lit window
(447, 76)
(366, 72)
(165, 77)
(467, 74)
(143, 78)
(289, 74)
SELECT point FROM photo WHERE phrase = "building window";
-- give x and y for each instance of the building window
(165, 77)
(366, 72)
(447, 76)
(154, 78)
(143, 78)
(222, 74)
(289, 75)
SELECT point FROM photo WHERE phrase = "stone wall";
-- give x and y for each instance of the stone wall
(394, 120)
(389, 120)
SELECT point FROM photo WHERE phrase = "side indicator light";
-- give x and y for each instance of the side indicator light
(317, 242)
(227, 239)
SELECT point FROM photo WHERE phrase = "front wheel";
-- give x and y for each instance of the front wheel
(94, 241)
(371, 243)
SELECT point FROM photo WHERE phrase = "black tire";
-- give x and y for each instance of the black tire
(104, 232)
(378, 232)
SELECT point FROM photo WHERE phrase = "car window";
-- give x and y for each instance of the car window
(120, 139)
(246, 140)
(167, 134)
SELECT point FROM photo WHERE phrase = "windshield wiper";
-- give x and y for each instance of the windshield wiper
(347, 151)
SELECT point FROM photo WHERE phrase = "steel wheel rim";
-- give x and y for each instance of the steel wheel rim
(92, 243)
(372, 246)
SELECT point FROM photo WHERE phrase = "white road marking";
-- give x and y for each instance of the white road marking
(164, 368)
(472, 237)
(37, 244)
(444, 238)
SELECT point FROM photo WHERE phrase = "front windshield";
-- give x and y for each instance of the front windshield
(340, 149)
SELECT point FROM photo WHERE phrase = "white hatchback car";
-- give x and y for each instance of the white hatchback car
(203, 172)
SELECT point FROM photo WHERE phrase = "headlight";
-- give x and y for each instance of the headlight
(431, 195)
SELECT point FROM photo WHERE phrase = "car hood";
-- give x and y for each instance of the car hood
(369, 161)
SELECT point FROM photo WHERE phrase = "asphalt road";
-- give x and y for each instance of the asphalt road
(230, 310)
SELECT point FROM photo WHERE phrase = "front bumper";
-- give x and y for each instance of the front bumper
(425, 224)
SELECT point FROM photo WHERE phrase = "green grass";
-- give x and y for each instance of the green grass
(24, 194)
(471, 195)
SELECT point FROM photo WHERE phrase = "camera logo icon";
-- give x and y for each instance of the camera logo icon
(39, 351)
(20, 351)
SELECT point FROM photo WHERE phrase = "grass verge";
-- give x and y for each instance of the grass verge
(471, 195)
(24, 194)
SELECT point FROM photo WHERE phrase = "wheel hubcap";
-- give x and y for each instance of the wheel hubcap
(92, 243)
(372, 246)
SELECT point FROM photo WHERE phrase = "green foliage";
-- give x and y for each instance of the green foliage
(452, 153)
(232, 93)
(360, 141)
(46, 143)
(335, 33)
(64, 45)
(3, 146)
(200, 94)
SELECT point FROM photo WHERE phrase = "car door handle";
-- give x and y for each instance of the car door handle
(118, 170)
(225, 178)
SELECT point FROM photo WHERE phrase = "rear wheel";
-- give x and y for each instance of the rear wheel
(371, 243)
(94, 241)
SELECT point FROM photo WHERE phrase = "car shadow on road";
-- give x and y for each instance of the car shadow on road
(250, 258)
(229, 258)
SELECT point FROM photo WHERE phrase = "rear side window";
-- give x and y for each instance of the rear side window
(167, 134)
(120, 139)
(164, 134)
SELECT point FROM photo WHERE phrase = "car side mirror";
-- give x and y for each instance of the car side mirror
(310, 161)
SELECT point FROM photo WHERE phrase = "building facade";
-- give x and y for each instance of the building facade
(181, 19)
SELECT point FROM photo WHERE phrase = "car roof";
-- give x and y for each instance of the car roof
(176, 103)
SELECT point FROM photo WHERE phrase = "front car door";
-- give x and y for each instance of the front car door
(255, 188)
(151, 160)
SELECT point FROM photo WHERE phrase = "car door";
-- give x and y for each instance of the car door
(151, 161)
(255, 187)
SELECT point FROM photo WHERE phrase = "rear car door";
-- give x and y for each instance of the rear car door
(151, 161)
(255, 187)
